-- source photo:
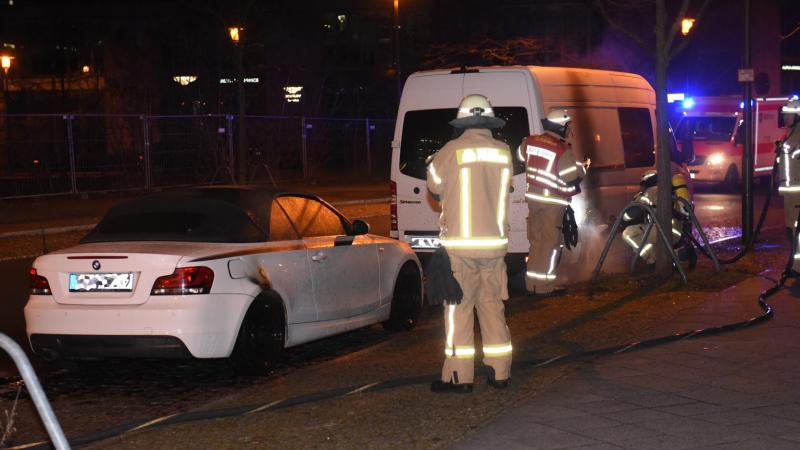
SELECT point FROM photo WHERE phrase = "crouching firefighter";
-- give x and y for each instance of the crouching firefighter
(636, 220)
(553, 177)
(471, 177)
(789, 173)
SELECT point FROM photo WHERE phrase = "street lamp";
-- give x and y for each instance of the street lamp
(396, 17)
(5, 63)
(236, 35)
(686, 25)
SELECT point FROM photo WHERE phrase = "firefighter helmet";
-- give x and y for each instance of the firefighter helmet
(649, 179)
(475, 111)
(557, 121)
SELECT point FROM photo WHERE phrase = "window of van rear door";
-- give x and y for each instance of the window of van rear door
(426, 131)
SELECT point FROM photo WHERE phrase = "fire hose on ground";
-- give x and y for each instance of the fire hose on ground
(384, 385)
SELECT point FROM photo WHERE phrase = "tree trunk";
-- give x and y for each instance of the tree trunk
(664, 200)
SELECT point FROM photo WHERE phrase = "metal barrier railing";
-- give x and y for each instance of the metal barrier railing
(46, 154)
(37, 393)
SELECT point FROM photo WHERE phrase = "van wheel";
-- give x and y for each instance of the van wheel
(731, 178)
(260, 342)
(406, 300)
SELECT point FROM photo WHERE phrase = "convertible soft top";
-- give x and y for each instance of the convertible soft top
(233, 214)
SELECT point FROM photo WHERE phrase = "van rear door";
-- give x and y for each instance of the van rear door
(429, 102)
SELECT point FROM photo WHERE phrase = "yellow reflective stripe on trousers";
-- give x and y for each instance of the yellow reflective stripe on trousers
(497, 349)
(466, 216)
(461, 351)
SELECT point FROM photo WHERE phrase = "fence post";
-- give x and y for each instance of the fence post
(304, 146)
(369, 152)
(71, 149)
(147, 167)
(229, 162)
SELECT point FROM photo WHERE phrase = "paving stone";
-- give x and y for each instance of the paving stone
(581, 423)
(622, 433)
(692, 409)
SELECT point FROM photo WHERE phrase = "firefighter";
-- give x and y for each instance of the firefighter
(789, 173)
(553, 177)
(636, 220)
(471, 177)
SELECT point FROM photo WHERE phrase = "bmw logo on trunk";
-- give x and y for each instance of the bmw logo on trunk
(96, 265)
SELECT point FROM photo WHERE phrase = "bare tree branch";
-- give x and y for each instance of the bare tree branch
(685, 42)
(637, 39)
(523, 50)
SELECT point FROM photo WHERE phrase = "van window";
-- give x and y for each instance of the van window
(711, 128)
(637, 137)
(426, 131)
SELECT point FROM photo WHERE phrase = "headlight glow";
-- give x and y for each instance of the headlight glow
(716, 158)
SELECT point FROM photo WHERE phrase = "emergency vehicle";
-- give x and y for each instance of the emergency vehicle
(715, 126)
(613, 121)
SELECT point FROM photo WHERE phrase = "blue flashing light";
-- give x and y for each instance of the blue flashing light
(688, 103)
(741, 105)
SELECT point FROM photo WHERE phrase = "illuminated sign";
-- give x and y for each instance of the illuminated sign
(183, 80)
(790, 67)
(677, 97)
(293, 94)
(233, 80)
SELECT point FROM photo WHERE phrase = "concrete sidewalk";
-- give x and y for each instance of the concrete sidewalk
(733, 390)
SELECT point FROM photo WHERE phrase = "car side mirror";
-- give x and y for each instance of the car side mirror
(360, 227)
(687, 151)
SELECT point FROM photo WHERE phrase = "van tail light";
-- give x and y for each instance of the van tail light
(38, 284)
(185, 281)
(393, 231)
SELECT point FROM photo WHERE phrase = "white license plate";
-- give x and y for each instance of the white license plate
(423, 242)
(105, 282)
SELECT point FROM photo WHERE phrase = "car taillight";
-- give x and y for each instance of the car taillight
(39, 284)
(393, 232)
(185, 281)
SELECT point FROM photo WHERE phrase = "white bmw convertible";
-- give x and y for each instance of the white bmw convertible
(217, 272)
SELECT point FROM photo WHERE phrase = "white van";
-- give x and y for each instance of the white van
(613, 118)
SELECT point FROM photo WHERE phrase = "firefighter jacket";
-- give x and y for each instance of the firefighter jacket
(789, 161)
(648, 193)
(553, 174)
(471, 176)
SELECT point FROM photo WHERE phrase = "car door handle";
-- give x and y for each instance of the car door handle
(318, 257)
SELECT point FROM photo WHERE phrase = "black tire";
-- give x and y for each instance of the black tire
(262, 335)
(406, 300)
(731, 178)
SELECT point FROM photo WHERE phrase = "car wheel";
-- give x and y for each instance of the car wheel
(731, 178)
(406, 300)
(260, 342)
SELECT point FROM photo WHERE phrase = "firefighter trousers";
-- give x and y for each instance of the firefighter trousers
(546, 239)
(791, 206)
(484, 282)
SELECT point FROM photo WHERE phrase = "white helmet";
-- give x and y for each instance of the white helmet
(475, 111)
(557, 121)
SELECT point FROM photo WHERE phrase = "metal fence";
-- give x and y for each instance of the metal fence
(42, 154)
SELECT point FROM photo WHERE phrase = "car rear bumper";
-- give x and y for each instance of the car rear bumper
(206, 326)
(66, 346)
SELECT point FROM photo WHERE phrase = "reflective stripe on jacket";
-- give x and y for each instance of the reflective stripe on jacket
(789, 162)
(553, 174)
(472, 175)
